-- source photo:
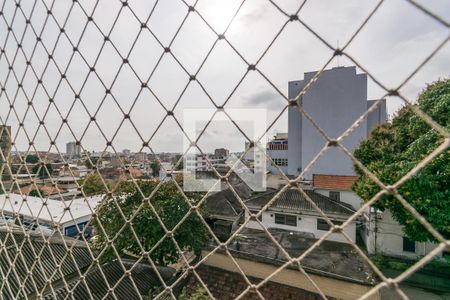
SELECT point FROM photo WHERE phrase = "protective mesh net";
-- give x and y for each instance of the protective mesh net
(87, 70)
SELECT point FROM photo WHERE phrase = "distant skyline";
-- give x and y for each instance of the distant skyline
(392, 44)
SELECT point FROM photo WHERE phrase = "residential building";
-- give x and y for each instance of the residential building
(277, 150)
(221, 152)
(293, 211)
(384, 235)
(140, 156)
(67, 182)
(335, 101)
(35, 216)
(73, 150)
(379, 232)
(195, 162)
(73, 170)
(223, 209)
(338, 188)
(45, 190)
(126, 152)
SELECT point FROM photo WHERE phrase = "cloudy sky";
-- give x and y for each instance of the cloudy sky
(392, 44)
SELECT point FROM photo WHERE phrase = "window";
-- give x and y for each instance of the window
(281, 162)
(335, 195)
(282, 219)
(73, 230)
(408, 245)
(255, 212)
(323, 225)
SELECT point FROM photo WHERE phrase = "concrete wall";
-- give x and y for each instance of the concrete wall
(386, 237)
(332, 288)
(305, 223)
(226, 285)
(376, 117)
(348, 197)
(335, 101)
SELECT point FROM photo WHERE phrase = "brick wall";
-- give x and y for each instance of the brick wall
(226, 285)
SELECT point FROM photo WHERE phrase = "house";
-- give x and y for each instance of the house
(384, 235)
(223, 209)
(293, 211)
(73, 170)
(46, 190)
(35, 213)
(380, 233)
(337, 187)
(336, 268)
(67, 182)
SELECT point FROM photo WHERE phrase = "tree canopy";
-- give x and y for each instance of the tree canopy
(92, 184)
(155, 168)
(32, 159)
(170, 206)
(394, 148)
(43, 172)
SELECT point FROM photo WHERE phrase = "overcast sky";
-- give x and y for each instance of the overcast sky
(393, 43)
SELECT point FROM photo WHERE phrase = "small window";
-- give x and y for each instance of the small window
(322, 225)
(291, 220)
(279, 219)
(335, 195)
(282, 219)
(408, 245)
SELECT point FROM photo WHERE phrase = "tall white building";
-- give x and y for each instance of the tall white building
(73, 150)
(335, 101)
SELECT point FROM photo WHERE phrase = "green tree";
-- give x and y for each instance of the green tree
(32, 159)
(36, 193)
(43, 172)
(92, 184)
(393, 149)
(155, 168)
(170, 206)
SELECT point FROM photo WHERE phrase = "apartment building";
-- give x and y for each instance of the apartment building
(335, 101)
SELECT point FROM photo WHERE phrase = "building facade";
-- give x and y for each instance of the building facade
(73, 150)
(379, 231)
(292, 211)
(335, 101)
(277, 150)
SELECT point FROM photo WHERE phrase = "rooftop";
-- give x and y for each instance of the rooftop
(55, 212)
(334, 182)
(142, 276)
(295, 201)
(51, 256)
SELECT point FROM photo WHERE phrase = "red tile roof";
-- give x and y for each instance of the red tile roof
(333, 182)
